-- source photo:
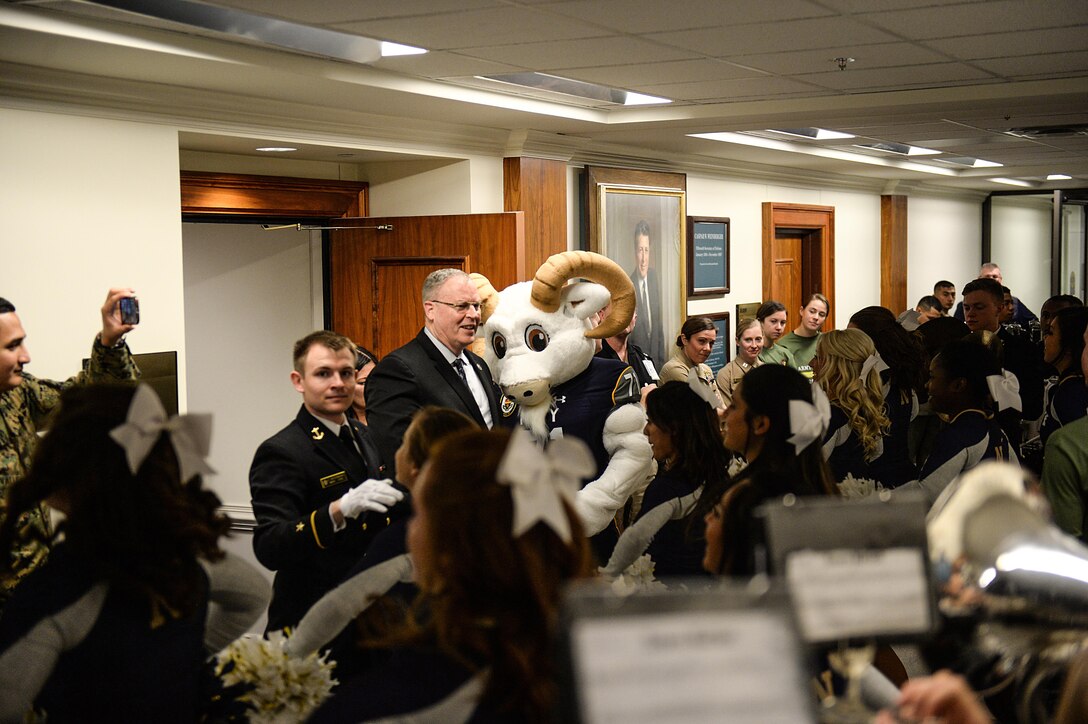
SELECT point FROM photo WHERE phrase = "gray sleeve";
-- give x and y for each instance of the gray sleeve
(238, 595)
(338, 607)
(637, 538)
(28, 663)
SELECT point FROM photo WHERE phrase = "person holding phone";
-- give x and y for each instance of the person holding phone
(26, 401)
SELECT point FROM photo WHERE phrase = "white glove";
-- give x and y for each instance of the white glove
(376, 495)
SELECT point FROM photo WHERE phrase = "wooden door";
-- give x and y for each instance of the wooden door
(786, 265)
(396, 281)
(376, 270)
(798, 255)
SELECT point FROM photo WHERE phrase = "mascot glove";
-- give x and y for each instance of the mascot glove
(376, 495)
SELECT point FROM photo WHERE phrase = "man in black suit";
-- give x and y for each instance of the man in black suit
(435, 368)
(315, 496)
(648, 334)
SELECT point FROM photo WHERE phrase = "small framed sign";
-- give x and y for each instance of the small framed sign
(708, 256)
(723, 343)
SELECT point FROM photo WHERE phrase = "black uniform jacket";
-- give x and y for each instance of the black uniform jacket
(295, 475)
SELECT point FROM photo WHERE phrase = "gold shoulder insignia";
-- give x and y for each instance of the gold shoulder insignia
(299, 527)
(317, 433)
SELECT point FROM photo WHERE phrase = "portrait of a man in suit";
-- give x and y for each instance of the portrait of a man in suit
(648, 332)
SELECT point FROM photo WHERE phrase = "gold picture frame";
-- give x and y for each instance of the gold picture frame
(628, 213)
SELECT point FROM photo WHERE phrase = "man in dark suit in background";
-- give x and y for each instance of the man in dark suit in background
(315, 496)
(435, 368)
(648, 334)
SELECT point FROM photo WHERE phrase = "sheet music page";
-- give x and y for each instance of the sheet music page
(740, 666)
(841, 594)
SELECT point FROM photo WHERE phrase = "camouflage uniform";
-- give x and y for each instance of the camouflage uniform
(23, 411)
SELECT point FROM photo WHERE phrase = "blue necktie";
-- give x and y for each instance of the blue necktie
(459, 365)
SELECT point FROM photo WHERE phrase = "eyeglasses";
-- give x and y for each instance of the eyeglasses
(461, 307)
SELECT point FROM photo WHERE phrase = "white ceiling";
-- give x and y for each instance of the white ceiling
(950, 76)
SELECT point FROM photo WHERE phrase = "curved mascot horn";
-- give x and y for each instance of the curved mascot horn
(560, 268)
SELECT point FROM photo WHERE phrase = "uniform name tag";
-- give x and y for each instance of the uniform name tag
(335, 479)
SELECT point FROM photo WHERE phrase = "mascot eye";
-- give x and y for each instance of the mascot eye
(498, 343)
(536, 338)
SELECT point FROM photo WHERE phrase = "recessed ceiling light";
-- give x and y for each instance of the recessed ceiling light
(276, 149)
(1011, 182)
(641, 99)
(570, 87)
(1058, 177)
(968, 162)
(393, 49)
(810, 149)
(255, 28)
(816, 134)
(898, 148)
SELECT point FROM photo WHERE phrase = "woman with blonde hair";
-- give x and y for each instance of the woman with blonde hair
(848, 370)
(749, 344)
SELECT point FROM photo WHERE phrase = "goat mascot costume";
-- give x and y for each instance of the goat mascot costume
(539, 344)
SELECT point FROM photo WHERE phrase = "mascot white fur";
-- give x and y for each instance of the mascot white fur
(539, 344)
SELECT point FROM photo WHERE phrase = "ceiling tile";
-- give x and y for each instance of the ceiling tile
(841, 34)
(866, 56)
(345, 11)
(1004, 45)
(641, 74)
(649, 17)
(557, 55)
(474, 28)
(980, 18)
(867, 6)
(912, 76)
(1051, 64)
(728, 90)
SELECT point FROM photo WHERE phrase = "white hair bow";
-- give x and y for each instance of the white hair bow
(872, 362)
(190, 435)
(539, 480)
(1005, 389)
(809, 420)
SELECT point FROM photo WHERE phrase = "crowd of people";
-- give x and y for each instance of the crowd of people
(423, 538)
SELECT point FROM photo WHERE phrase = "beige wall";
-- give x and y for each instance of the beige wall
(87, 204)
(1020, 245)
(943, 242)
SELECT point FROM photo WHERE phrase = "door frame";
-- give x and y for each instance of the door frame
(819, 219)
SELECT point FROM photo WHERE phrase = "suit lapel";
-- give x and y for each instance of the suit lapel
(329, 446)
(446, 372)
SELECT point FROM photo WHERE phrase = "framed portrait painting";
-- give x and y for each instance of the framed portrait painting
(640, 225)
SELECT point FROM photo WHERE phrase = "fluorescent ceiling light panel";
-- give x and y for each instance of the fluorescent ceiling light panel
(576, 88)
(1011, 182)
(259, 28)
(276, 149)
(641, 99)
(1058, 177)
(821, 151)
(390, 50)
(970, 162)
(901, 149)
(815, 134)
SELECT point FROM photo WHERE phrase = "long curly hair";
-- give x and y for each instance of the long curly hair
(843, 352)
(142, 533)
(902, 351)
(696, 434)
(488, 599)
